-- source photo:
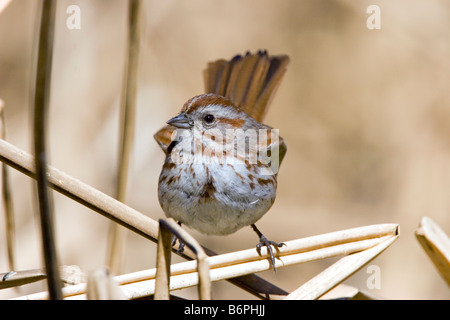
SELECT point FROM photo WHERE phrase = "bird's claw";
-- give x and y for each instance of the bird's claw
(263, 241)
(180, 249)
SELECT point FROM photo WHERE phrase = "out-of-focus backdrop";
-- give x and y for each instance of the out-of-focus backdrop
(365, 114)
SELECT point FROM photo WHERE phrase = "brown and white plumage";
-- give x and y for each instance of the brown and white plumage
(222, 191)
(215, 196)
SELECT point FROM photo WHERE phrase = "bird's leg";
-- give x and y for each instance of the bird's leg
(174, 241)
(263, 241)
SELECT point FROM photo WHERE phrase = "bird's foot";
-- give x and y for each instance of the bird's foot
(181, 243)
(263, 241)
(180, 249)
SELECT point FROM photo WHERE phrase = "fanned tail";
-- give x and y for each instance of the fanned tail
(249, 81)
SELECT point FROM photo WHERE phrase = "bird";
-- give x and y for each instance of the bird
(221, 161)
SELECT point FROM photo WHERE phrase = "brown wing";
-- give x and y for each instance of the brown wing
(163, 137)
(249, 81)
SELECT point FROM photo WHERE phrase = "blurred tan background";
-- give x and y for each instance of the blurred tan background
(365, 114)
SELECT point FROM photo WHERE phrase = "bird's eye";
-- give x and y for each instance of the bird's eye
(209, 118)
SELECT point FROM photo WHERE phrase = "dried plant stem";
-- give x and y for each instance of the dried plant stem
(114, 210)
(68, 274)
(41, 104)
(163, 256)
(14, 279)
(169, 227)
(436, 245)
(7, 200)
(117, 236)
(338, 272)
(82, 193)
(243, 262)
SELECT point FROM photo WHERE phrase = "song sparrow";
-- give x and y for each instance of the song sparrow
(220, 171)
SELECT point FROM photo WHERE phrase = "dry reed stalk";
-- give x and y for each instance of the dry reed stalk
(169, 227)
(13, 279)
(41, 106)
(7, 200)
(68, 274)
(436, 245)
(140, 284)
(338, 272)
(117, 235)
(114, 210)
(81, 192)
(163, 254)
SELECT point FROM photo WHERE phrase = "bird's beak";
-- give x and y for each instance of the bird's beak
(181, 121)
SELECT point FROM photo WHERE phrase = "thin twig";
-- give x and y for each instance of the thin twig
(41, 104)
(117, 235)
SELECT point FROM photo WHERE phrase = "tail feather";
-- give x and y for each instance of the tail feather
(250, 81)
(256, 86)
(273, 79)
(240, 78)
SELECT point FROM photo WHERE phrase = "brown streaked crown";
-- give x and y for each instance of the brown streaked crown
(204, 100)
